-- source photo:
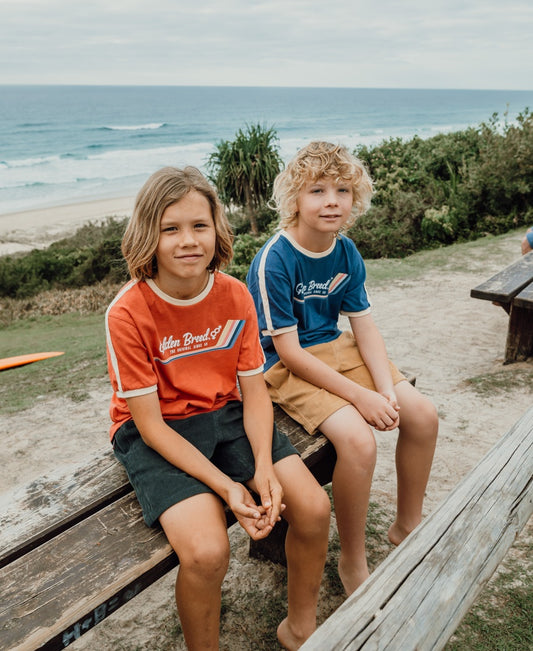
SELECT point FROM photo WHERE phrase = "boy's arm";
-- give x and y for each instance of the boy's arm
(373, 351)
(146, 413)
(375, 408)
(258, 417)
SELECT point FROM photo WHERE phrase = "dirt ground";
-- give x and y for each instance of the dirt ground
(432, 329)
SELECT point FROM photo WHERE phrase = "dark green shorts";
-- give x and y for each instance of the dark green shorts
(219, 435)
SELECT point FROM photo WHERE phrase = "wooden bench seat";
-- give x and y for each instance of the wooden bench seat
(74, 546)
(512, 289)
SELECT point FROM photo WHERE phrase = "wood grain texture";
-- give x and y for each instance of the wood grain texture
(507, 283)
(417, 597)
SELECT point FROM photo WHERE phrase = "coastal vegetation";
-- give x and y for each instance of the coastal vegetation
(243, 170)
(429, 193)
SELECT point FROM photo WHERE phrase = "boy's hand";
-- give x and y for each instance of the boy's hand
(380, 410)
(253, 518)
(270, 492)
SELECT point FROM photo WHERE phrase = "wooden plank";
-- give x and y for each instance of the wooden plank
(62, 584)
(506, 284)
(525, 297)
(417, 597)
(33, 513)
(71, 582)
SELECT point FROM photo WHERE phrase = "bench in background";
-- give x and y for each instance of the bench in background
(512, 289)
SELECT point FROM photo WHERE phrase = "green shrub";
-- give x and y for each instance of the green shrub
(245, 247)
(452, 187)
(91, 256)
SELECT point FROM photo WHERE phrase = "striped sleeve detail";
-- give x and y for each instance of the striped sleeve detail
(137, 392)
(254, 371)
(262, 282)
(280, 331)
(109, 341)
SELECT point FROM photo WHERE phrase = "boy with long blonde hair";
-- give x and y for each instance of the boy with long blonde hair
(179, 336)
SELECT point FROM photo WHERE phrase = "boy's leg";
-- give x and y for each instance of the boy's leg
(414, 456)
(196, 529)
(307, 512)
(355, 446)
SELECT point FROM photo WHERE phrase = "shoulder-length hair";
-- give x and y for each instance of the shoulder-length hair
(164, 188)
(317, 160)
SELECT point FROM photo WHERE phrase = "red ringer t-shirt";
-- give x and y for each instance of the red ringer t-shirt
(190, 352)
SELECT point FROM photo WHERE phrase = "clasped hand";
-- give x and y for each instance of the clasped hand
(380, 410)
(257, 520)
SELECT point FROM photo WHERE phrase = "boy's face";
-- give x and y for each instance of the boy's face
(186, 246)
(324, 205)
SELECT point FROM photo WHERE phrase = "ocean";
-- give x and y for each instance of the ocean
(69, 144)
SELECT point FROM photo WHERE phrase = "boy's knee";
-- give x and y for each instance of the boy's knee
(430, 417)
(423, 421)
(208, 557)
(321, 507)
(362, 446)
(312, 517)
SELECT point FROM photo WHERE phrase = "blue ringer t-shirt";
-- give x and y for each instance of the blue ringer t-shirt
(296, 289)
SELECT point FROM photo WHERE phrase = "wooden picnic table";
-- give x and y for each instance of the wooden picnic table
(512, 289)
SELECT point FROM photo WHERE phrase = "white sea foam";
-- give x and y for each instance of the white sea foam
(135, 127)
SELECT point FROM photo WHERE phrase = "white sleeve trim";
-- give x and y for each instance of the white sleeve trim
(280, 331)
(362, 313)
(262, 281)
(137, 392)
(254, 371)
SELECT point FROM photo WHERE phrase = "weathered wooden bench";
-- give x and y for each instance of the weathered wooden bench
(74, 547)
(512, 289)
(417, 597)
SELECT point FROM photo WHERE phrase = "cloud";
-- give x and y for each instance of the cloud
(246, 42)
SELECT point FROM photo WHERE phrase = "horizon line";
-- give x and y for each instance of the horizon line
(274, 87)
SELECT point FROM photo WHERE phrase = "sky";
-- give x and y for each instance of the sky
(478, 44)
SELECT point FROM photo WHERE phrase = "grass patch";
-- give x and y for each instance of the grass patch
(501, 381)
(82, 338)
(251, 618)
(460, 257)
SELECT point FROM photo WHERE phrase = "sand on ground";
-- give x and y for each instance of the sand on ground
(33, 229)
(432, 328)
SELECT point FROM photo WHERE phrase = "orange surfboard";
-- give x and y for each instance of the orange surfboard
(20, 360)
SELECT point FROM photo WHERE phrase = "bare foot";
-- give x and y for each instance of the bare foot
(288, 639)
(397, 533)
(351, 577)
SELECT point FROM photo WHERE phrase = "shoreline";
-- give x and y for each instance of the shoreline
(37, 228)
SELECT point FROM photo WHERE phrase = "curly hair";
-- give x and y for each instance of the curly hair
(164, 188)
(317, 160)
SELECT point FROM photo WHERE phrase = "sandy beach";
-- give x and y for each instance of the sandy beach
(23, 231)
(451, 342)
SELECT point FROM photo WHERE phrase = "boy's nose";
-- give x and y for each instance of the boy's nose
(331, 199)
(188, 237)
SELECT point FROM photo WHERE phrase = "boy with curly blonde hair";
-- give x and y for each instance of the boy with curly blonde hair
(339, 383)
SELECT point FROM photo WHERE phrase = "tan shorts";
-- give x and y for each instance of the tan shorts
(310, 405)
